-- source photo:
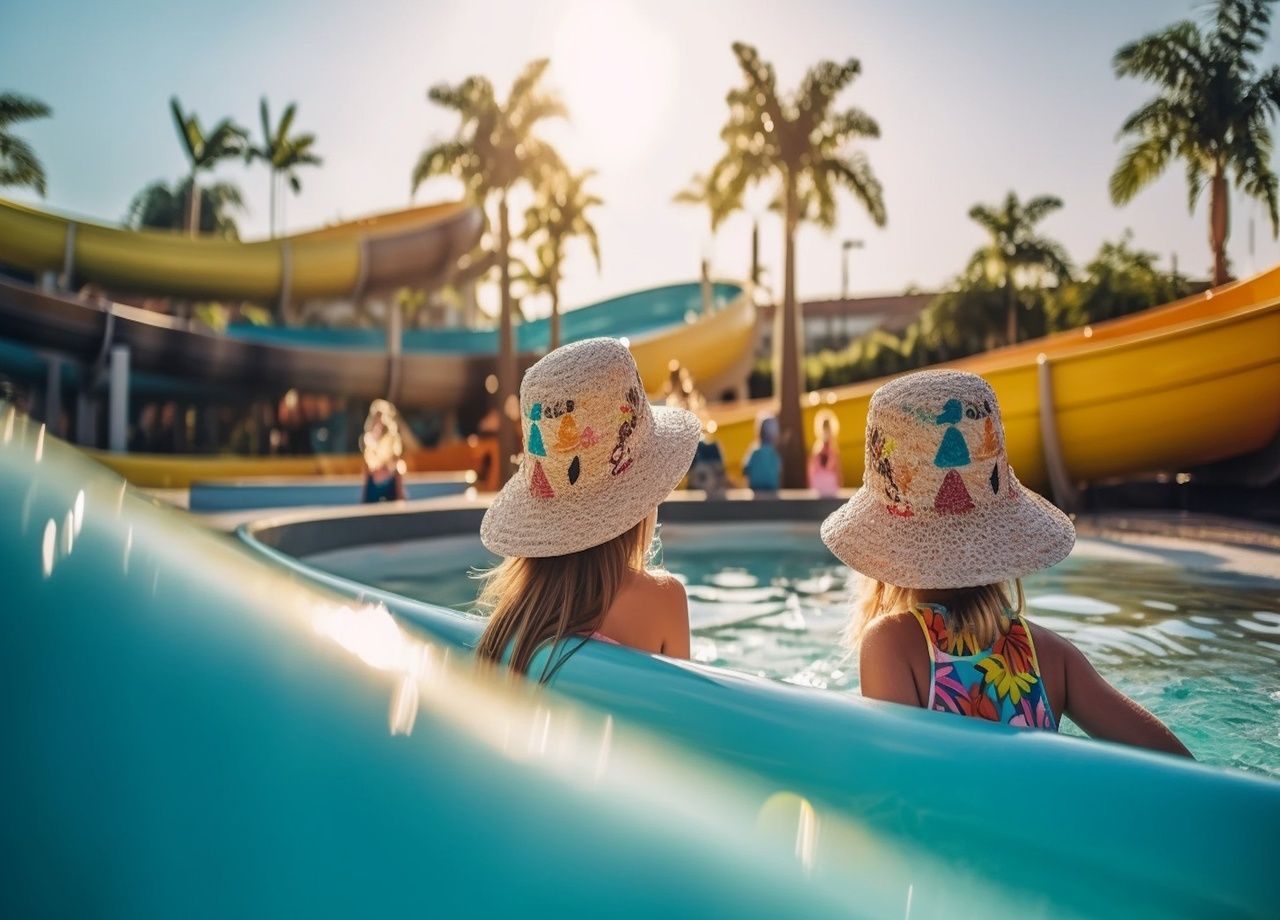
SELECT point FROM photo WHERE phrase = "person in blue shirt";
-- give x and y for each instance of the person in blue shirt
(763, 466)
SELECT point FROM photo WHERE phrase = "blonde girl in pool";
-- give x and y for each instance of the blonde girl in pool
(943, 533)
(576, 522)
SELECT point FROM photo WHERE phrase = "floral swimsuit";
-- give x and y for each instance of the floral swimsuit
(1000, 683)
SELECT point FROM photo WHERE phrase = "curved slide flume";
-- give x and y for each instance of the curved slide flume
(376, 253)
(1173, 387)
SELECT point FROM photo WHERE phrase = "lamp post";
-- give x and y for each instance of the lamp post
(844, 265)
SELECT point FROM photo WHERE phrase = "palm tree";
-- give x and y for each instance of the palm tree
(559, 213)
(160, 206)
(204, 151)
(18, 162)
(1213, 111)
(494, 150)
(803, 141)
(1016, 255)
(282, 154)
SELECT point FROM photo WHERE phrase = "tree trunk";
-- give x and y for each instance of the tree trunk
(788, 364)
(508, 400)
(1011, 317)
(1219, 225)
(555, 310)
(275, 181)
(193, 206)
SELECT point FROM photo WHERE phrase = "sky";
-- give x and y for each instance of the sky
(973, 99)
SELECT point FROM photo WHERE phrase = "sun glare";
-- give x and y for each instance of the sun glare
(614, 69)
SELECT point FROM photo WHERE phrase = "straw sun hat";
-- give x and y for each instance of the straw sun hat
(598, 458)
(940, 506)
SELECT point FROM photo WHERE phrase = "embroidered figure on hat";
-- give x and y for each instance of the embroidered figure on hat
(535, 412)
(620, 457)
(536, 447)
(558, 408)
(976, 410)
(995, 479)
(906, 473)
(951, 413)
(567, 437)
(953, 497)
(575, 468)
(898, 504)
(990, 443)
(589, 438)
(920, 414)
(538, 484)
(953, 451)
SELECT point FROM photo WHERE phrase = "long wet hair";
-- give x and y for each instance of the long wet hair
(556, 599)
(982, 612)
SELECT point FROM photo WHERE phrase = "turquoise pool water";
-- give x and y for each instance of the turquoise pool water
(1192, 634)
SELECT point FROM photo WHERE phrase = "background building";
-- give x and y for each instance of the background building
(834, 323)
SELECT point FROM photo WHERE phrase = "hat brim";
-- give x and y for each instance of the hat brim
(993, 543)
(519, 524)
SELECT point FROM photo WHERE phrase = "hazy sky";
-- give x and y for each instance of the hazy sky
(973, 99)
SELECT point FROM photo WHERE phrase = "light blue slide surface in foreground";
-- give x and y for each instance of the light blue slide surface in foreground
(194, 730)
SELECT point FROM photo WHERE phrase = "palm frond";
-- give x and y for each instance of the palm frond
(15, 108)
(1139, 166)
(19, 165)
(1040, 207)
(854, 172)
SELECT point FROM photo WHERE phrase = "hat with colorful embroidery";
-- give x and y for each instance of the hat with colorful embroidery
(940, 506)
(598, 459)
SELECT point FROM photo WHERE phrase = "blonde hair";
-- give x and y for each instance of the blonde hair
(823, 418)
(979, 612)
(532, 601)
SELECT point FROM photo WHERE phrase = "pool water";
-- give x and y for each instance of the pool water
(1191, 634)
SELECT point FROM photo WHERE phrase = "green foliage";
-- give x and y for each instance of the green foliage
(495, 146)
(800, 135)
(205, 150)
(1213, 109)
(217, 316)
(705, 191)
(283, 153)
(557, 215)
(161, 206)
(1119, 280)
(19, 165)
(969, 318)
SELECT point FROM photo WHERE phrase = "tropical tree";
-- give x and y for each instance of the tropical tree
(1016, 255)
(557, 215)
(802, 141)
(1119, 280)
(18, 162)
(282, 153)
(204, 151)
(161, 206)
(1213, 111)
(494, 150)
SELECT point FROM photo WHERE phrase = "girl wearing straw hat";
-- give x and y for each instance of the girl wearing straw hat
(576, 522)
(943, 533)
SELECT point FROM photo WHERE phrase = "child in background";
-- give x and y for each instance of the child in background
(824, 463)
(576, 522)
(707, 472)
(943, 534)
(382, 447)
(763, 465)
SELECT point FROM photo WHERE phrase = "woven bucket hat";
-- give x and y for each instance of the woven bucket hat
(598, 459)
(940, 506)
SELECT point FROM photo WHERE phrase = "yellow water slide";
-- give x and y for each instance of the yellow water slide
(345, 260)
(1173, 387)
